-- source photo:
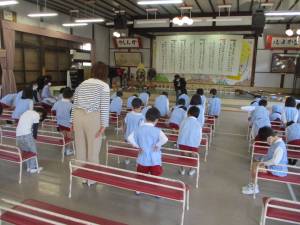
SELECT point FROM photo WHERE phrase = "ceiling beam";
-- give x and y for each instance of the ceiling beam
(53, 6)
(212, 6)
(199, 6)
(238, 6)
(291, 7)
(278, 5)
(251, 6)
(176, 9)
(128, 8)
(136, 5)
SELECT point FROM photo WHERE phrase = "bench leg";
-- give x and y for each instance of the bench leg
(63, 154)
(188, 200)
(197, 179)
(206, 153)
(20, 173)
(70, 186)
(37, 163)
(73, 146)
(182, 214)
(263, 216)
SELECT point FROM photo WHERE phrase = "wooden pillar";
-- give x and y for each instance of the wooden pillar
(254, 61)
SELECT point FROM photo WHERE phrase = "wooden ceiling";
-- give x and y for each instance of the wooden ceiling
(105, 8)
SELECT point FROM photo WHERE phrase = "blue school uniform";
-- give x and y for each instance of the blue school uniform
(133, 120)
(145, 110)
(116, 105)
(177, 115)
(214, 106)
(201, 117)
(190, 132)
(260, 112)
(276, 113)
(290, 114)
(18, 97)
(162, 104)
(186, 99)
(8, 99)
(293, 132)
(255, 102)
(284, 160)
(129, 102)
(46, 93)
(147, 137)
(22, 106)
(203, 100)
(298, 116)
(144, 97)
(63, 110)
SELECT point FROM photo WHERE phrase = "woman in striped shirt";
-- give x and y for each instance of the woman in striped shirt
(91, 114)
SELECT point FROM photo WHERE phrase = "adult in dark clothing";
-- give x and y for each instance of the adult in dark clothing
(177, 84)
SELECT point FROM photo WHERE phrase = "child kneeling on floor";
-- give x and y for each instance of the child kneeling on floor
(190, 134)
(275, 160)
(149, 140)
(26, 133)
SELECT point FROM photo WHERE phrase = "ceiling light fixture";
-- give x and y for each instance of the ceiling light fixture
(180, 21)
(43, 13)
(6, 3)
(282, 13)
(74, 24)
(298, 31)
(267, 4)
(229, 19)
(275, 18)
(289, 32)
(161, 2)
(89, 20)
(116, 34)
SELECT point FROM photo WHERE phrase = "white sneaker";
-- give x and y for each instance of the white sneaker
(250, 185)
(250, 190)
(138, 193)
(37, 170)
(182, 172)
(192, 172)
(69, 152)
(127, 161)
(91, 182)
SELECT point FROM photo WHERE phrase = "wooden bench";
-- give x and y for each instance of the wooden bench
(281, 210)
(170, 156)
(260, 148)
(44, 137)
(33, 212)
(15, 155)
(292, 178)
(173, 136)
(170, 189)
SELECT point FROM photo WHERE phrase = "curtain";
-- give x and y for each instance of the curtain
(8, 77)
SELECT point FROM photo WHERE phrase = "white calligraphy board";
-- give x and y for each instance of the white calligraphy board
(199, 54)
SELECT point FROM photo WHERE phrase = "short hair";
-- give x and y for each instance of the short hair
(27, 92)
(176, 76)
(148, 92)
(263, 102)
(265, 132)
(196, 100)
(136, 103)
(165, 93)
(213, 91)
(99, 71)
(119, 93)
(183, 91)
(180, 101)
(41, 111)
(61, 90)
(194, 111)
(68, 93)
(289, 123)
(152, 114)
(290, 102)
(200, 91)
(135, 95)
(47, 79)
(298, 106)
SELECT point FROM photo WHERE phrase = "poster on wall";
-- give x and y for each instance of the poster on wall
(273, 42)
(199, 54)
(128, 59)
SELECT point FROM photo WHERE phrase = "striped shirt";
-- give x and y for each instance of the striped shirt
(93, 95)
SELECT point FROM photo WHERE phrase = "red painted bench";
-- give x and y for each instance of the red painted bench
(292, 178)
(260, 148)
(282, 210)
(15, 155)
(170, 156)
(173, 136)
(44, 137)
(33, 212)
(170, 189)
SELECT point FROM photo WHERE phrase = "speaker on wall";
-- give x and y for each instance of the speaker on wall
(258, 21)
(120, 21)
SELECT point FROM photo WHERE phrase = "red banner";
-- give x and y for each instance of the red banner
(284, 43)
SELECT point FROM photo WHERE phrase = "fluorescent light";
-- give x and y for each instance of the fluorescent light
(224, 6)
(224, 19)
(283, 13)
(87, 64)
(74, 24)
(160, 2)
(275, 18)
(151, 21)
(267, 4)
(42, 14)
(5, 3)
(89, 20)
